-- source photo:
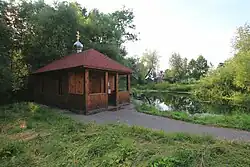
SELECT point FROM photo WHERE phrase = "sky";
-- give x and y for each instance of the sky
(189, 27)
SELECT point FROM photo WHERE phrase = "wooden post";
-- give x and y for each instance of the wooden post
(106, 88)
(86, 89)
(106, 83)
(128, 82)
(116, 89)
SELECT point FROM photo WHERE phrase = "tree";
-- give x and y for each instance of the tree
(134, 64)
(169, 76)
(178, 67)
(192, 71)
(7, 58)
(230, 83)
(34, 34)
(108, 32)
(197, 68)
(201, 66)
(104, 32)
(150, 62)
(242, 39)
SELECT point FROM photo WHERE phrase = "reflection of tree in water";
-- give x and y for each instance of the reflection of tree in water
(150, 98)
(175, 102)
(186, 103)
(183, 103)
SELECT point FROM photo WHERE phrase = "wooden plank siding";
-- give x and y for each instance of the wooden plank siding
(50, 94)
(72, 81)
(71, 89)
(97, 101)
(76, 83)
(124, 97)
(86, 89)
(96, 81)
(106, 82)
(116, 89)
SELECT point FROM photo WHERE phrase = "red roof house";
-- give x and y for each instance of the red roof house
(85, 82)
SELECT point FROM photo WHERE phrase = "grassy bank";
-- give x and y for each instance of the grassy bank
(166, 87)
(32, 135)
(238, 121)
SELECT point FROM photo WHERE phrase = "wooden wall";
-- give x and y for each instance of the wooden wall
(96, 81)
(75, 92)
(97, 101)
(123, 97)
(76, 83)
(72, 97)
(97, 97)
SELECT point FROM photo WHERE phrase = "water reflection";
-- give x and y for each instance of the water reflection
(182, 102)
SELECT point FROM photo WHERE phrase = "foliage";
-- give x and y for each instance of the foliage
(182, 70)
(144, 68)
(197, 68)
(123, 85)
(150, 62)
(178, 68)
(139, 70)
(53, 139)
(238, 120)
(34, 34)
(230, 83)
(242, 38)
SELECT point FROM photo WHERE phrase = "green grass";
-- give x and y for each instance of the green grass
(235, 120)
(52, 139)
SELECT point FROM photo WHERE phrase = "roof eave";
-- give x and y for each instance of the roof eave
(107, 69)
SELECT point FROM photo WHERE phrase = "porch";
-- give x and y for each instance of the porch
(105, 90)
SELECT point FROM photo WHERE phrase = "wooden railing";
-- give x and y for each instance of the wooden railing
(97, 101)
(123, 97)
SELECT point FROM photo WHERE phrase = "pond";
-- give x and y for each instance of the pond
(183, 103)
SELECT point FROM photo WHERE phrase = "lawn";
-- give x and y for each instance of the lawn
(235, 120)
(34, 135)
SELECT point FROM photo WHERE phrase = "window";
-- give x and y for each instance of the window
(60, 86)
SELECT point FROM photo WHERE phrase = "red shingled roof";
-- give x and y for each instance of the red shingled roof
(88, 59)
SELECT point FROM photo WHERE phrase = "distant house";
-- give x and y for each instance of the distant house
(85, 82)
(159, 78)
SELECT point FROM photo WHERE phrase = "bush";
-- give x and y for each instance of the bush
(229, 83)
